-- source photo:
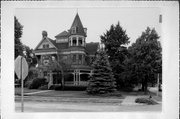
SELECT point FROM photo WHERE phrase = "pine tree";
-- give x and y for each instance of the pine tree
(115, 40)
(102, 81)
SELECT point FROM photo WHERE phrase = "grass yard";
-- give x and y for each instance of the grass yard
(73, 94)
(82, 94)
(51, 100)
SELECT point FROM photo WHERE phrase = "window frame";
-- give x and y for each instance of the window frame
(80, 58)
(74, 58)
(45, 46)
(73, 30)
(74, 39)
(80, 39)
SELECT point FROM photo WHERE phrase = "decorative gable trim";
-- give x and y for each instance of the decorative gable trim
(43, 41)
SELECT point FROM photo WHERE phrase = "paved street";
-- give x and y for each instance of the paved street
(51, 106)
(84, 107)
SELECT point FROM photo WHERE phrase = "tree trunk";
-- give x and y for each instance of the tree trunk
(142, 88)
(145, 85)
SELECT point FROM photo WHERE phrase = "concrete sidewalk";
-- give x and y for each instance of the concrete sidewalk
(37, 92)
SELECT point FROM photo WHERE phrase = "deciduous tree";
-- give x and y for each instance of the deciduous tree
(146, 58)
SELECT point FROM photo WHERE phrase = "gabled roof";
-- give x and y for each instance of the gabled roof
(92, 48)
(62, 34)
(49, 40)
(78, 25)
(53, 42)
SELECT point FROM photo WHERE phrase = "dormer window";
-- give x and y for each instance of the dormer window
(73, 30)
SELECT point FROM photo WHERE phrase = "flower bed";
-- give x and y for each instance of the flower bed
(148, 101)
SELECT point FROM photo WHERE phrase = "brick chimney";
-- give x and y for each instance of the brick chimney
(44, 34)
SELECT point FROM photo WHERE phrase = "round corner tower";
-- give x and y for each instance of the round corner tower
(77, 33)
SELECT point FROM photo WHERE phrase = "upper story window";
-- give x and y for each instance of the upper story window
(74, 41)
(46, 46)
(80, 59)
(74, 58)
(80, 40)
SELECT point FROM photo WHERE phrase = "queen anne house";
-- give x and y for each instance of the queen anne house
(68, 53)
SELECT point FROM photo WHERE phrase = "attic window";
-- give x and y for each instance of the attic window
(46, 46)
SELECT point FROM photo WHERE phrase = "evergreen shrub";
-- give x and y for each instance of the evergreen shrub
(37, 82)
(43, 87)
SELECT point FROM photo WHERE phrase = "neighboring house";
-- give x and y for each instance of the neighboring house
(68, 52)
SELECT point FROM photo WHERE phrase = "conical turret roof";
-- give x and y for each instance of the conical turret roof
(77, 24)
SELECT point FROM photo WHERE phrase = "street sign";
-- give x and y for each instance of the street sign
(21, 67)
(21, 70)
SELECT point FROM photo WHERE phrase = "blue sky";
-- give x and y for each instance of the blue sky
(96, 20)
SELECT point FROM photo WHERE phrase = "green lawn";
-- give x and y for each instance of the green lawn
(82, 94)
(76, 94)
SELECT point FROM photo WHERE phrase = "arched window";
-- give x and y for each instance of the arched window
(74, 41)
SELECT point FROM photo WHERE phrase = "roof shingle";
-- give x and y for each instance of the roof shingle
(78, 25)
(62, 34)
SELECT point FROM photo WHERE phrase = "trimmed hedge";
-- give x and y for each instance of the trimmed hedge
(148, 101)
(37, 82)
